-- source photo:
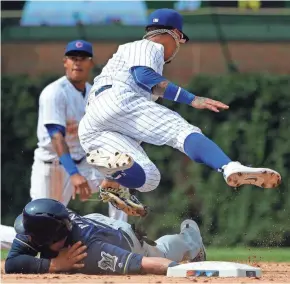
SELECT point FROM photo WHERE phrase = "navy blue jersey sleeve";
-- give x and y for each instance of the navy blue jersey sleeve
(104, 258)
(22, 258)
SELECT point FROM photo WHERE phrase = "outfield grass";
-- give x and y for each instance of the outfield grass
(249, 254)
(238, 254)
(3, 254)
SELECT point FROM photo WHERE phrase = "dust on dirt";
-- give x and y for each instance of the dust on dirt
(272, 272)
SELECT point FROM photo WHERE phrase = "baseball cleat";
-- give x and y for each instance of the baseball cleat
(201, 256)
(108, 163)
(235, 175)
(122, 199)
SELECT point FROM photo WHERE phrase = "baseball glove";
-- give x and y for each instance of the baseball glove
(122, 199)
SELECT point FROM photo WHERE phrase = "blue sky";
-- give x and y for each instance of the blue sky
(90, 12)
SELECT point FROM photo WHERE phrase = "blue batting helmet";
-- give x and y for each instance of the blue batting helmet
(45, 220)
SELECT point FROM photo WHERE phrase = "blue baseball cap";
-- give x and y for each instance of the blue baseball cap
(79, 45)
(168, 18)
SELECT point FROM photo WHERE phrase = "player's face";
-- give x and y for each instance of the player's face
(58, 245)
(78, 67)
(170, 44)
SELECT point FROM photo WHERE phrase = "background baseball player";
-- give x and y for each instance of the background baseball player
(93, 244)
(121, 112)
(60, 170)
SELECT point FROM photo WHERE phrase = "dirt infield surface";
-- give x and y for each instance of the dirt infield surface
(272, 272)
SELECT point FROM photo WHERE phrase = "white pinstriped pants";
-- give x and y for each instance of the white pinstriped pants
(117, 122)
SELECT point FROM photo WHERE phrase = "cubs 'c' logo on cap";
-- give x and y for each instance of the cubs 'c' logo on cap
(79, 44)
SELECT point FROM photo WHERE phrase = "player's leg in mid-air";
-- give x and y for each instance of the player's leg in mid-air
(144, 120)
(111, 152)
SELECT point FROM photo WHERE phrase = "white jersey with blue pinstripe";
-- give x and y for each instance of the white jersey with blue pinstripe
(118, 118)
(60, 102)
(138, 53)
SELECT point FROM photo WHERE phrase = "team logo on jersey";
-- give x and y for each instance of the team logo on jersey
(108, 262)
(79, 44)
(155, 20)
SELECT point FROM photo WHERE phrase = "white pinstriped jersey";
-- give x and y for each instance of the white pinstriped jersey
(137, 53)
(121, 117)
(59, 102)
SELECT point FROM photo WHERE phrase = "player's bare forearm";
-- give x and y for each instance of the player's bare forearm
(159, 89)
(59, 144)
(155, 265)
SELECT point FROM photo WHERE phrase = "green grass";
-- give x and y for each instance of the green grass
(3, 254)
(237, 254)
(248, 254)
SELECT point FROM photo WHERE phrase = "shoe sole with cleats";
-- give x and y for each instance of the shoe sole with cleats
(111, 162)
(265, 178)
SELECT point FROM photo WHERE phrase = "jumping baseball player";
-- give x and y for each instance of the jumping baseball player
(93, 244)
(121, 112)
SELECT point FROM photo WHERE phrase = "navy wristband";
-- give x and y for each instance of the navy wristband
(68, 164)
(178, 94)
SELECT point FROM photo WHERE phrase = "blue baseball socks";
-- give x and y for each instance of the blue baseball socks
(133, 177)
(202, 150)
(197, 147)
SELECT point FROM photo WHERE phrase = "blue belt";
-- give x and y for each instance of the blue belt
(97, 92)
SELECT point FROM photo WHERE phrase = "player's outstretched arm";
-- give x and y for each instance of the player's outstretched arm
(170, 91)
(156, 265)
(149, 80)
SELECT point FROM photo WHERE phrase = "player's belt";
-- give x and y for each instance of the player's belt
(102, 89)
(76, 161)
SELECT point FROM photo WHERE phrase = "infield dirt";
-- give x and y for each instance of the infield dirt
(272, 272)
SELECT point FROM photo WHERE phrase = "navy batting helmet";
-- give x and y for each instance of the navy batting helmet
(46, 221)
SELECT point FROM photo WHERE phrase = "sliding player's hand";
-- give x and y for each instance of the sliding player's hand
(69, 258)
